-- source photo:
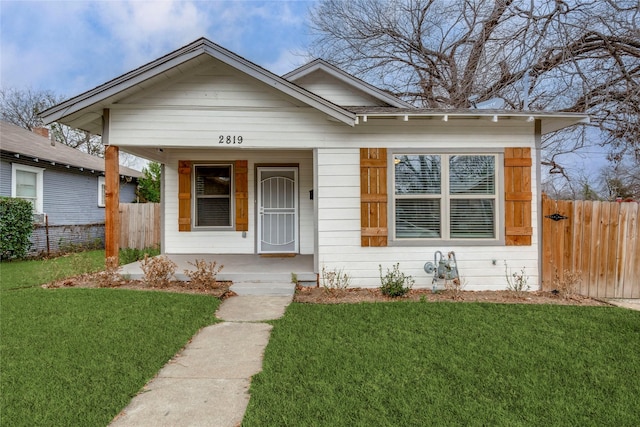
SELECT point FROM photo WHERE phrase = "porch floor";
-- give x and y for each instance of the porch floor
(241, 268)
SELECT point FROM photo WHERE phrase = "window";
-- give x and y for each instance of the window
(213, 191)
(27, 183)
(445, 196)
(101, 192)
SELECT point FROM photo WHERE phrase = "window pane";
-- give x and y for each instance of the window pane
(472, 219)
(213, 212)
(472, 175)
(417, 174)
(213, 180)
(26, 186)
(418, 218)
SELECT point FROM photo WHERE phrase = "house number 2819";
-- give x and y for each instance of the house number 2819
(230, 139)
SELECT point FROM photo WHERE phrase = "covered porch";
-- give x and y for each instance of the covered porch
(241, 268)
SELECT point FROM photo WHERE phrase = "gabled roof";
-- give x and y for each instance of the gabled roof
(23, 143)
(85, 110)
(322, 65)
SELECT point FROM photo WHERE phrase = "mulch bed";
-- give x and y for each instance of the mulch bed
(320, 295)
(357, 295)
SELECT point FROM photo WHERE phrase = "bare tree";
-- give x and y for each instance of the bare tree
(564, 55)
(22, 108)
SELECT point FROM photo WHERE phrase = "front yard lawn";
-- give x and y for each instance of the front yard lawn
(416, 364)
(76, 357)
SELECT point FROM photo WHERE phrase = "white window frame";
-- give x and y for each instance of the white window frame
(445, 199)
(194, 206)
(38, 207)
(101, 192)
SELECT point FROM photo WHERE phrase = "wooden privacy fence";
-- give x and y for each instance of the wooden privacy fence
(596, 242)
(139, 225)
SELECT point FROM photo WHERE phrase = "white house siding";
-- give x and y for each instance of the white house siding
(233, 242)
(336, 91)
(214, 101)
(339, 242)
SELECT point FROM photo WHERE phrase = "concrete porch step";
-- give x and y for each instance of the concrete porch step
(263, 288)
(239, 277)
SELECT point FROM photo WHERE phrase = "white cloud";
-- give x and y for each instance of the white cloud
(288, 60)
(145, 30)
(71, 46)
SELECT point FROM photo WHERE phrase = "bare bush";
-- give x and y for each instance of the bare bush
(158, 271)
(110, 277)
(567, 286)
(204, 276)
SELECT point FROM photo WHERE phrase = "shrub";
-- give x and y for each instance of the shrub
(335, 281)
(16, 225)
(567, 286)
(455, 287)
(110, 277)
(395, 283)
(158, 271)
(517, 282)
(204, 276)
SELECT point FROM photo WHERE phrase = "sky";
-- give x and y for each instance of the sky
(69, 47)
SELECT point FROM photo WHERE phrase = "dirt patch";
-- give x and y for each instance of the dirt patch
(320, 295)
(220, 290)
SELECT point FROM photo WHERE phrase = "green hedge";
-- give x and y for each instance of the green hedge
(16, 225)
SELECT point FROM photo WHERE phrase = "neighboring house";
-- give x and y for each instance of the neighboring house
(65, 185)
(319, 162)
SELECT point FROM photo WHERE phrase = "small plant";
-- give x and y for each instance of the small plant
(567, 286)
(130, 255)
(52, 271)
(517, 282)
(335, 281)
(204, 276)
(158, 271)
(395, 283)
(294, 278)
(82, 263)
(110, 277)
(455, 287)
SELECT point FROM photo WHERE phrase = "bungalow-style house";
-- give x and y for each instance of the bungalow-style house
(320, 163)
(65, 185)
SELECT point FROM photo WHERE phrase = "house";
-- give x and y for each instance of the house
(320, 163)
(65, 185)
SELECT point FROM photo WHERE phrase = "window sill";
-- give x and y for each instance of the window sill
(442, 242)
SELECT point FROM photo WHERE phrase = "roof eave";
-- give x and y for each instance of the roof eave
(92, 98)
(551, 122)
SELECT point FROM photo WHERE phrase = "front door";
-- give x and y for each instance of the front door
(277, 209)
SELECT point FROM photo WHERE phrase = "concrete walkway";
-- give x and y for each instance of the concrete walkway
(632, 304)
(207, 383)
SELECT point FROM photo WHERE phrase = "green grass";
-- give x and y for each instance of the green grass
(416, 364)
(77, 356)
(33, 273)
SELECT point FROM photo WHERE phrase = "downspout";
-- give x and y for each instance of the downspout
(316, 193)
(538, 169)
(162, 215)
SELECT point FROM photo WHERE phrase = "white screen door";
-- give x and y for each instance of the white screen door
(278, 210)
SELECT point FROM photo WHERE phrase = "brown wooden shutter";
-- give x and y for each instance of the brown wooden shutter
(184, 195)
(517, 184)
(242, 195)
(373, 196)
